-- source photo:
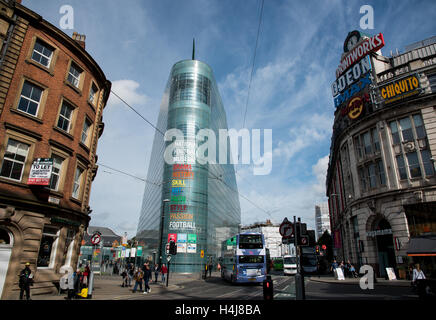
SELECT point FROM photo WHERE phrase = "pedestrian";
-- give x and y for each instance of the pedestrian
(86, 274)
(418, 274)
(124, 276)
(164, 271)
(156, 272)
(138, 276)
(25, 281)
(334, 265)
(147, 276)
(353, 272)
(347, 269)
(77, 282)
(130, 272)
(70, 284)
(210, 269)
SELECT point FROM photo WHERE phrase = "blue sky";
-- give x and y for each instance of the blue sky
(300, 44)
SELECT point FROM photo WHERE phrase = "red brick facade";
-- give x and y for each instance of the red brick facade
(26, 210)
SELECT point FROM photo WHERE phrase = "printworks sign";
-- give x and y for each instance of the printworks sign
(400, 89)
(40, 172)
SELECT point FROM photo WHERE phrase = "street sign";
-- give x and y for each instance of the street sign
(168, 258)
(286, 229)
(304, 241)
(96, 238)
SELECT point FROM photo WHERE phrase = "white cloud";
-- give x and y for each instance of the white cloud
(128, 91)
(320, 171)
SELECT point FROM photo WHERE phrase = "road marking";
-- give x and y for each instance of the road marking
(229, 293)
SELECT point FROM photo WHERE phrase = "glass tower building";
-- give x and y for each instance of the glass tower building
(203, 207)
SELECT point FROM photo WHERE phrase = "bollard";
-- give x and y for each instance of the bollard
(91, 285)
(268, 290)
(298, 287)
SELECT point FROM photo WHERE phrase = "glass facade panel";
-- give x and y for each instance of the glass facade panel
(204, 205)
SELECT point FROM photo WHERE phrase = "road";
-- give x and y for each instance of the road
(219, 289)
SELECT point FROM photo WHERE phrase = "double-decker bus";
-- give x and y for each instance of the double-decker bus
(243, 258)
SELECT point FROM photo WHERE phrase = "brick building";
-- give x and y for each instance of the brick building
(381, 180)
(52, 96)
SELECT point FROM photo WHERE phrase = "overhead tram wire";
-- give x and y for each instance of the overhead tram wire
(252, 69)
(134, 110)
(254, 60)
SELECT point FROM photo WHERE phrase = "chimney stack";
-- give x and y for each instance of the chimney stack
(79, 38)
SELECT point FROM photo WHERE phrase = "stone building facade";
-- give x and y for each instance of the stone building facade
(52, 96)
(381, 180)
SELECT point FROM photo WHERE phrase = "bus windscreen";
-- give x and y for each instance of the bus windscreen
(289, 260)
(251, 259)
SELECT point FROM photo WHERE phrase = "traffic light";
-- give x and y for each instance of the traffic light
(324, 247)
(268, 290)
(317, 249)
(173, 248)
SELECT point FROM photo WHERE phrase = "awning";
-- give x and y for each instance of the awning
(422, 247)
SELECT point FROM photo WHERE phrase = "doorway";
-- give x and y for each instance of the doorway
(6, 243)
(385, 248)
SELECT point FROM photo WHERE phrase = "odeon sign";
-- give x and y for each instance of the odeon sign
(353, 75)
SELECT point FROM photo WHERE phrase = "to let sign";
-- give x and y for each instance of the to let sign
(40, 172)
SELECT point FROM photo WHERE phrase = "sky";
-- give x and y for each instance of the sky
(299, 48)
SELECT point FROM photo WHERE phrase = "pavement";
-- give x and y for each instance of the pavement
(108, 287)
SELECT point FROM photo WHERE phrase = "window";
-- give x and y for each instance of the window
(85, 131)
(412, 163)
(65, 117)
(419, 127)
(414, 168)
(48, 243)
(426, 161)
(56, 172)
(77, 182)
(14, 159)
(394, 131)
(367, 144)
(93, 94)
(381, 173)
(42, 53)
(401, 167)
(30, 98)
(406, 129)
(251, 259)
(375, 139)
(74, 75)
(372, 175)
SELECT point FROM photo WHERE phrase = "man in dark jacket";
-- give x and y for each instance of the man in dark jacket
(147, 275)
(26, 280)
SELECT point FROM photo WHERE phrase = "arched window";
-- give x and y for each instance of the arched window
(5, 237)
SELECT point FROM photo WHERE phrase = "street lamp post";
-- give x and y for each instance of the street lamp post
(161, 231)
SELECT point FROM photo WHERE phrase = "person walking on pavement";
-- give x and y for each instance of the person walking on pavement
(138, 276)
(124, 276)
(130, 272)
(164, 271)
(418, 274)
(156, 272)
(147, 276)
(25, 281)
